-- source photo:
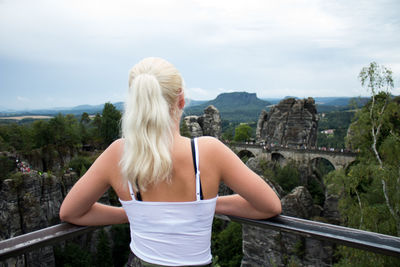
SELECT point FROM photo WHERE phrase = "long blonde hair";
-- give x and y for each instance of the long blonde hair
(151, 113)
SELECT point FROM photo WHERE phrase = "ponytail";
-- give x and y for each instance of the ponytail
(148, 122)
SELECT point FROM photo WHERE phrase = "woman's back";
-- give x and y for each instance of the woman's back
(157, 161)
(181, 185)
(172, 232)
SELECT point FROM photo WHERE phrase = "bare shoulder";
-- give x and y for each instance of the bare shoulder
(112, 154)
(210, 143)
(215, 150)
(116, 147)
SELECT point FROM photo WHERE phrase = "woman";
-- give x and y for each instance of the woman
(167, 184)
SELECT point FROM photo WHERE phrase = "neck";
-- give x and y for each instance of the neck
(176, 129)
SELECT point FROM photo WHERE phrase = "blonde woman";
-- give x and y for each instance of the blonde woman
(167, 184)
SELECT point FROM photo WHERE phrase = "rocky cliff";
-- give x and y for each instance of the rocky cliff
(292, 122)
(29, 202)
(209, 124)
(265, 247)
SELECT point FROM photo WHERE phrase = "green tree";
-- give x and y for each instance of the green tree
(243, 132)
(110, 124)
(103, 256)
(369, 189)
(121, 238)
(7, 166)
(227, 244)
(288, 176)
(85, 119)
(64, 135)
(84, 125)
(184, 129)
(72, 255)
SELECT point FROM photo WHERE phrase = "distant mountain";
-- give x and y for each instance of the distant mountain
(191, 102)
(327, 104)
(341, 101)
(236, 106)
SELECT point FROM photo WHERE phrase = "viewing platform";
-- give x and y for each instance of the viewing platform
(370, 241)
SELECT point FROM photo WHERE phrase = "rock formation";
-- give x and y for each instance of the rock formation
(265, 247)
(29, 202)
(192, 123)
(292, 122)
(209, 124)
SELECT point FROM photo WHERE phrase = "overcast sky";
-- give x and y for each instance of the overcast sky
(67, 53)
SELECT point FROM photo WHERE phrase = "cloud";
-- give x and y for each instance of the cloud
(198, 94)
(23, 99)
(294, 47)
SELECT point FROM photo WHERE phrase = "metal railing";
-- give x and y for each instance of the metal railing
(377, 243)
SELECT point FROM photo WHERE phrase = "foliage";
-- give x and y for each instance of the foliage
(227, 243)
(110, 124)
(79, 163)
(7, 166)
(120, 251)
(351, 257)
(288, 176)
(16, 137)
(228, 129)
(103, 257)
(243, 133)
(369, 189)
(72, 255)
(339, 121)
(184, 130)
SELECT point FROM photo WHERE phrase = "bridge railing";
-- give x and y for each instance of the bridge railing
(377, 243)
(290, 148)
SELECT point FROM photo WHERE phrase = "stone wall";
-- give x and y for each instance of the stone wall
(292, 122)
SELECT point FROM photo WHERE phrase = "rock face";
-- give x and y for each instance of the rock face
(209, 124)
(292, 122)
(264, 247)
(193, 125)
(30, 202)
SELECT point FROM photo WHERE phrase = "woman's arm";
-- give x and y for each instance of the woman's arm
(80, 206)
(254, 199)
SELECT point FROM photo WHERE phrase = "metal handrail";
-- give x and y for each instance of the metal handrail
(377, 243)
(365, 240)
(18, 245)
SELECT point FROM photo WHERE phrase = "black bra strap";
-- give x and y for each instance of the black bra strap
(138, 195)
(195, 165)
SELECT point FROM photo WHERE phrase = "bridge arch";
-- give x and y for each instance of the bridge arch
(245, 153)
(278, 158)
(323, 164)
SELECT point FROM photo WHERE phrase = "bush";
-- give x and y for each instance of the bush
(72, 255)
(80, 164)
(121, 236)
(227, 245)
(6, 167)
(288, 177)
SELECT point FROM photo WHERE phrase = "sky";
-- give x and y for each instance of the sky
(67, 53)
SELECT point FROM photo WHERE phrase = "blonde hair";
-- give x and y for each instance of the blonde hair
(151, 112)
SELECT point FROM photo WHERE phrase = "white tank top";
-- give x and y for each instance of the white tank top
(172, 233)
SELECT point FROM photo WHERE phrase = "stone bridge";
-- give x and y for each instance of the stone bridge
(338, 159)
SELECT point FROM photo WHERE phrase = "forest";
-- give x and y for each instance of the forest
(369, 189)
